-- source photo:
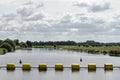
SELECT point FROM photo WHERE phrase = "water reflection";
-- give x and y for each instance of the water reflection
(108, 72)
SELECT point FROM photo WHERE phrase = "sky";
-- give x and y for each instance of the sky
(60, 20)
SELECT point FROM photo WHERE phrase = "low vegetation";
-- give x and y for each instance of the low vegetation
(112, 50)
(89, 46)
(9, 45)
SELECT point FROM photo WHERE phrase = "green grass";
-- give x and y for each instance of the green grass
(3, 51)
(111, 50)
(17, 47)
(43, 47)
(90, 49)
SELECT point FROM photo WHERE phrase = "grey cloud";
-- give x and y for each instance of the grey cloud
(35, 16)
(94, 7)
(100, 7)
(66, 19)
(9, 16)
(37, 5)
(82, 4)
(25, 11)
(29, 8)
(40, 5)
(35, 27)
(28, 3)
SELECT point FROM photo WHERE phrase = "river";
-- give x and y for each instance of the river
(53, 56)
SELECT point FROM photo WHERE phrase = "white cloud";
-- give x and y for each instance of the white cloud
(30, 21)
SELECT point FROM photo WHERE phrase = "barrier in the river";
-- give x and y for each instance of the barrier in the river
(108, 66)
(58, 67)
(42, 67)
(26, 67)
(91, 67)
(75, 67)
(10, 66)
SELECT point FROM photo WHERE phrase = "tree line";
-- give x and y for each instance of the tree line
(87, 43)
(9, 45)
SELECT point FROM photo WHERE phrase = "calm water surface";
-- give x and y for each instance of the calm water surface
(50, 57)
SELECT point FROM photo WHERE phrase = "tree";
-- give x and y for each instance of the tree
(29, 43)
(23, 45)
(7, 46)
(11, 42)
(16, 41)
(1, 42)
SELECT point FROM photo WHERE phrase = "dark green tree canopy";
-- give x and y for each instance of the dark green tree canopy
(11, 42)
(16, 41)
(29, 43)
(7, 46)
(23, 45)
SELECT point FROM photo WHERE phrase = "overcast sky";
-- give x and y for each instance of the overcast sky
(58, 20)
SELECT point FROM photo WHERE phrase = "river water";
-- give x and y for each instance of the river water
(53, 56)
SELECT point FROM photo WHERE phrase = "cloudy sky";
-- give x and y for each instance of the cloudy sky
(59, 20)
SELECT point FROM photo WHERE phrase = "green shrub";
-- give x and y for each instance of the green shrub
(3, 51)
(7, 46)
(11, 42)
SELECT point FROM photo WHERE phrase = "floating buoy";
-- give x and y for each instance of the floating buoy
(42, 67)
(75, 67)
(26, 67)
(108, 66)
(59, 67)
(92, 67)
(10, 66)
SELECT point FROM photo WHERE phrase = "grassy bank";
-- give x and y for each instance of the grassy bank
(2, 51)
(42, 46)
(101, 49)
(111, 50)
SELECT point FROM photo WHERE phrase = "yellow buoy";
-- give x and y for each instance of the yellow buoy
(75, 67)
(59, 67)
(10, 66)
(42, 67)
(91, 67)
(108, 66)
(26, 67)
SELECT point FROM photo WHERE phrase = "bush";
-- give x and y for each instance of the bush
(11, 42)
(114, 53)
(29, 43)
(23, 45)
(7, 46)
(3, 51)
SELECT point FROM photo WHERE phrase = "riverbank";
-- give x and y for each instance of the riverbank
(2, 51)
(111, 50)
